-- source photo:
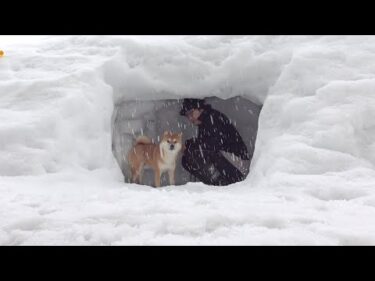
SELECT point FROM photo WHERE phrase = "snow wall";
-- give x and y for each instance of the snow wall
(58, 98)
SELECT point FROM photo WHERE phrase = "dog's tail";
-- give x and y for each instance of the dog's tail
(143, 140)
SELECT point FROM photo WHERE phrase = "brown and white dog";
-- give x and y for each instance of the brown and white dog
(160, 157)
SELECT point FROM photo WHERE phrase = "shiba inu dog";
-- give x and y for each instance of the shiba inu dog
(160, 157)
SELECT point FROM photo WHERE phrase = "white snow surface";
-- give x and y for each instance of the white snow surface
(311, 179)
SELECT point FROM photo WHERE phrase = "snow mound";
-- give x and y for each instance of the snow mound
(311, 178)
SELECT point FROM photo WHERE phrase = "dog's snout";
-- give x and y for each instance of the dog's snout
(172, 146)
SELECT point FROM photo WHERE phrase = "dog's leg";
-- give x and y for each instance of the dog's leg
(136, 174)
(133, 175)
(136, 178)
(171, 176)
(140, 175)
(157, 177)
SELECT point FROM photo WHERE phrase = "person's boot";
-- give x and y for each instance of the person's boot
(228, 173)
(207, 173)
(218, 171)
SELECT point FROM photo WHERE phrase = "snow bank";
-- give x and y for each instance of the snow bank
(314, 150)
(50, 105)
(318, 116)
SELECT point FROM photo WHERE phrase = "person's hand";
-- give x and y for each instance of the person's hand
(190, 142)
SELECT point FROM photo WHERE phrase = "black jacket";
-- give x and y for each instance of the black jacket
(216, 132)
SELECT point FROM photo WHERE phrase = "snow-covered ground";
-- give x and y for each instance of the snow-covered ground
(311, 180)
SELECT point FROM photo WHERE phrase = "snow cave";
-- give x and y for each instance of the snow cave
(71, 107)
(133, 118)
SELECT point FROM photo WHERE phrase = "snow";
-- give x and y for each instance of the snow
(311, 178)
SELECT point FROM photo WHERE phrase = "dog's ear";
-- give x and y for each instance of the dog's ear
(165, 133)
(180, 135)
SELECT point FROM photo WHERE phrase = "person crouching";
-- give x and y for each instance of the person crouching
(203, 156)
